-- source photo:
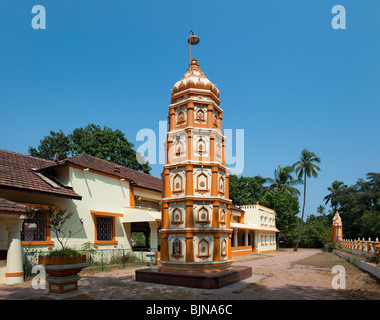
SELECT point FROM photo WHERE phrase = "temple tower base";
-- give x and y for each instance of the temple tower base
(195, 279)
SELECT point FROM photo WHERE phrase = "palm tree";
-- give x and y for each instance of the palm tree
(305, 167)
(335, 186)
(283, 180)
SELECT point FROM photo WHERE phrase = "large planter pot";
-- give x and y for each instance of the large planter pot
(63, 275)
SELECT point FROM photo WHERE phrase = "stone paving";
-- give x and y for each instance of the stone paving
(275, 277)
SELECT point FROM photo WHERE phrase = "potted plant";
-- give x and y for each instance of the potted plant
(62, 265)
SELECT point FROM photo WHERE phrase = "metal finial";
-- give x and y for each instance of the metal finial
(193, 40)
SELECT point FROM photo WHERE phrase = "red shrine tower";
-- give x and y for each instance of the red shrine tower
(195, 231)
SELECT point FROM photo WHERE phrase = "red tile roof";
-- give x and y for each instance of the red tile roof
(16, 174)
(13, 207)
(140, 179)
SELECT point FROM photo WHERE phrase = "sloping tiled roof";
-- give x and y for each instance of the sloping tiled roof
(140, 179)
(16, 173)
(13, 207)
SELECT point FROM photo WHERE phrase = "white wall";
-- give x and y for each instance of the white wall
(99, 193)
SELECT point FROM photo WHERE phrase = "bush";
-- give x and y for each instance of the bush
(330, 246)
(65, 252)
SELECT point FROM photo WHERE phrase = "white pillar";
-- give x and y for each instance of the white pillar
(14, 271)
(246, 237)
(235, 238)
(153, 235)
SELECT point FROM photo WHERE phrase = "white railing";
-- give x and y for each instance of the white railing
(361, 247)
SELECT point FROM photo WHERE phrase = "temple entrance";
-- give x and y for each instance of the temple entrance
(141, 233)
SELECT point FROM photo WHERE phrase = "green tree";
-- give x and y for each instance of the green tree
(304, 168)
(370, 224)
(55, 143)
(103, 143)
(246, 190)
(358, 207)
(321, 210)
(283, 180)
(335, 186)
(316, 232)
(107, 144)
(287, 208)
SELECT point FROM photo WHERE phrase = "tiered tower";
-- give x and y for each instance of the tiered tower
(337, 228)
(195, 231)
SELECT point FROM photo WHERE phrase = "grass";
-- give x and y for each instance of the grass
(360, 285)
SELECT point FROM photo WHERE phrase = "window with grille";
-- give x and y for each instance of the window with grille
(34, 229)
(104, 228)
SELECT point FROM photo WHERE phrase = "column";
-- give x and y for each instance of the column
(212, 147)
(220, 121)
(235, 241)
(227, 185)
(189, 149)
(216, 252)
(14, 271)
(224, 151)
(210, 108)
(172, 120)
(170, 150)
(167, 188)
(214, 181)
(189, 219)
(189, 247)
(153, 235)
(164, 247)
(189, 191)
(255, 242)
(229, 253)
(215, 214)
(165, 216)
(190, 114)
(246, 237)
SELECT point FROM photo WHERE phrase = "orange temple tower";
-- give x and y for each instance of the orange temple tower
(337, 228)
(195, 231)
(196, 210)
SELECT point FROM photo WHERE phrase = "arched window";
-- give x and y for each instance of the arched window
(177, 184)
(222, 217)
(181, 118)
(177, 249)
(203, 216)
(202, 183)
(177, 216)
(203, 249)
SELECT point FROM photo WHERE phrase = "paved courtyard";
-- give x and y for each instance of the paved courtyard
(276, 276)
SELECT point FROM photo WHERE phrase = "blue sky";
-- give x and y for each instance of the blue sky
(286, 76)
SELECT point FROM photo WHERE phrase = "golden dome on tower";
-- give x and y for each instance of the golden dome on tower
(194, 78)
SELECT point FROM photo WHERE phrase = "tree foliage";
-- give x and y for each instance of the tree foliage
(287, 208)
(305, 167)
(359, 207)
(246, 190)
(103, 143)
(283, 180)
(316, 232)
(335, 186)
(56, 142)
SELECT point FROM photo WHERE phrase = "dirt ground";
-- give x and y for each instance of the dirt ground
(282, 275)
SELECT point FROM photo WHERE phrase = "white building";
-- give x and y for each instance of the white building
(108, 202)
(254, 229)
